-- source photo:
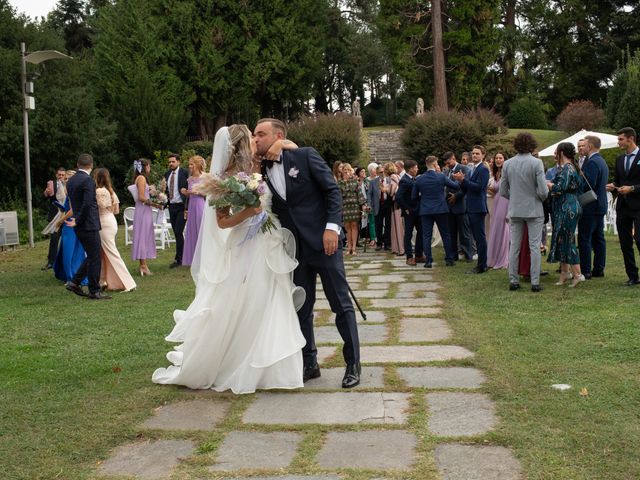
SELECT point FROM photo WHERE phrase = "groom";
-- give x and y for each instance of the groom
(308, 202)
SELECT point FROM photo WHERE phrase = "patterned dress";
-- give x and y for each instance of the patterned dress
(352, 200)
(566, 211)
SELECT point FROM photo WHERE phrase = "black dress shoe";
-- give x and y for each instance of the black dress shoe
(514, 286)
(478, 270)
(587, 276)
(450, 263)
(631, 282)
(99, 296)
(175, 264)
(597, 274)
(544, 273)
(428, 265)
(351, 376)
(48, 266)
(311, 372)
(536, 288)
(77, 289)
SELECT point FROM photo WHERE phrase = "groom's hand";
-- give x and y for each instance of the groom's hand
(330, 241)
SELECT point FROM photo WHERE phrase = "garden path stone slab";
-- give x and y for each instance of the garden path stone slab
(418, 286)
(441, 377)
(358, 272)
(291, 477)
(413, 353)
(460, 414)
(415, 329)
(255, 450)
(472, 462)
(328, 408)
(428, 302)
(359, 294)
(377, 286)
(151, 460)
(415, 311)
(331, 379)
(391, 278)
(373, 316)
(370, 266)
(372, 450)
(325, 353)
(199, 414)
(366, 334)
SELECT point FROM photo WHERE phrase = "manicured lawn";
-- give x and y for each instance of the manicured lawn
(544, 137)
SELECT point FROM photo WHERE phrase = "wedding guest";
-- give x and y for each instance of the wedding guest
(55, 193)
(196, 204)
(567, 210)
(337, 170)
(176, 180)
(114, 274)
(498, 243)
(352, 204)
(429, 190)
(363, 186)
(490, 196)
(458, 220)
(144, 240)
(400, 171)
(409, 208)
(397, 223)
(373, 201)
(70, 253)
(383, 217)
(465, 159)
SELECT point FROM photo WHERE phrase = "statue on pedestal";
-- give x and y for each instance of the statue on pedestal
(419, 107)
(355, 108)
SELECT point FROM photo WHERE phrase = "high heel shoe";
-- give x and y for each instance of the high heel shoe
(564, 278)
(577, 280)
(146, 272)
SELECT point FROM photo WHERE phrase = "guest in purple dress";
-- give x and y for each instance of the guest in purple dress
(144, 240)
(498, 249)
(193, 215)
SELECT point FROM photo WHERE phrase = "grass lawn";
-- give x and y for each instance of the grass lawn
(544, 137)
(75, 374)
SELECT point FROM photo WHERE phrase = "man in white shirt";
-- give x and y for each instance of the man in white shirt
(176, 179)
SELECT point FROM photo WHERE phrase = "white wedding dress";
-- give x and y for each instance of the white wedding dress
(241, 332)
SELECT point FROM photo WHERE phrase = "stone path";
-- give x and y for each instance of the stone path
(419, 413)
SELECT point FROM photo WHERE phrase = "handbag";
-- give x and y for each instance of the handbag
(589, 196)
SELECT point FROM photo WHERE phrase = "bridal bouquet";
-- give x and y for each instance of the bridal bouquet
(157, 195)
(237, 192)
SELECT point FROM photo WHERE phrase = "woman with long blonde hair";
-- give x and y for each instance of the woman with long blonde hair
(195, 208)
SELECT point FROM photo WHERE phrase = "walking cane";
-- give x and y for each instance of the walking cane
(355, 300)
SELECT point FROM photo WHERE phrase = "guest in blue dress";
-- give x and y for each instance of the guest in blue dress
(70, 252)
(566, 211)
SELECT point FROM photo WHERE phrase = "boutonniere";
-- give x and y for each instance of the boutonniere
(293, 172)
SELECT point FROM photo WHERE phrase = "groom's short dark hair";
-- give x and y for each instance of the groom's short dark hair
(276, 124)
(85, 160)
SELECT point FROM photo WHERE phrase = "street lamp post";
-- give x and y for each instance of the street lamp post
(28, 103)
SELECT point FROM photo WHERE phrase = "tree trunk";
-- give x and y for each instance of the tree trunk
(509, 59)
(439, 79)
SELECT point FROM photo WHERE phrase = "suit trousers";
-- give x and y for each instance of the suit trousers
(412, 221)
(54, 240)
(312, 263)
(441, 220)
(534, 229)
(628, 224)
(461, 234)
(591, 239)
(92, 264)
(383, 224)
(176, 217)
(476, 221)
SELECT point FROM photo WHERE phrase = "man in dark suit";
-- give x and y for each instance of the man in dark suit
(176, 180)
(591, 224)
(626, 185)
(55, 192)
(429, 191)
(308, 202)
(409, 208)
(458, 219)
(82, 195)
(475, 188)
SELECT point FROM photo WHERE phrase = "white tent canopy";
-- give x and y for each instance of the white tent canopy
(608, 141)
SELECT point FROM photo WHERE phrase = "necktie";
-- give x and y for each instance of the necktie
(627, 162)
(172, 182)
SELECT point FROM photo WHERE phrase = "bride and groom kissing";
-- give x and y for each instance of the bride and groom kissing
(241, 331)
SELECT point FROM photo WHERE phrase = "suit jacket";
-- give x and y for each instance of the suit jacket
(429, 189)
(524, 184)
(373, 195)
(596, 172)
(313, 197)
(403, 195)
(81, 190)
(631, 200)
(183, 175)
(461, 203)
(475, 188)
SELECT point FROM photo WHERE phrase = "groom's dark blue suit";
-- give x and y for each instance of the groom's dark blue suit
(313, 199)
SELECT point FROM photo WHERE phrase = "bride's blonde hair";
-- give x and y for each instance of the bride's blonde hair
(240, 150)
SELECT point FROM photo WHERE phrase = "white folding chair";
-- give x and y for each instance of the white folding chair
(158, 228)
(168, 229)
(610, 217)
(128, 225)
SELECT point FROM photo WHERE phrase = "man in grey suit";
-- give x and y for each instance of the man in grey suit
(524, 184)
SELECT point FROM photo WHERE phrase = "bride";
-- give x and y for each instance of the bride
(241, 331)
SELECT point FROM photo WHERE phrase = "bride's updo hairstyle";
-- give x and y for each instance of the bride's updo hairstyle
(240, 149)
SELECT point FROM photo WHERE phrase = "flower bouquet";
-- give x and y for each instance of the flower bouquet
(157, 195)
(237, 192)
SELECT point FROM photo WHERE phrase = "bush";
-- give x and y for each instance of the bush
(335, 137)
(435, 133)
(578, 115)
(490, 122)
(204, 148)
(526, 113)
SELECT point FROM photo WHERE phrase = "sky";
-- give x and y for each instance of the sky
(33, 8)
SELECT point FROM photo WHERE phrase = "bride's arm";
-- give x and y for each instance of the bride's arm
(278, 146)
(227, 221)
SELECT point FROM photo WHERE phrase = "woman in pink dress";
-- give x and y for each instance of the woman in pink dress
(193, 215)
(498, 243)
(397, 222)
(144, 238)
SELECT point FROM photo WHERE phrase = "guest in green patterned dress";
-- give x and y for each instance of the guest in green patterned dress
(564, 192)
(353, 202)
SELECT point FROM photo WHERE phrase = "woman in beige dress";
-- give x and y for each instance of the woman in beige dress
(114, 274)
(397, 222)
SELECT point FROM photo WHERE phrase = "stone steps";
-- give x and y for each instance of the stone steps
(385, 146)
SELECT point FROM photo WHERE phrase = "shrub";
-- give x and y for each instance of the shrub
(204, 148)
(526, 113)
(435, 133)
(335, 137)
(578, 115)
(489, 122)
